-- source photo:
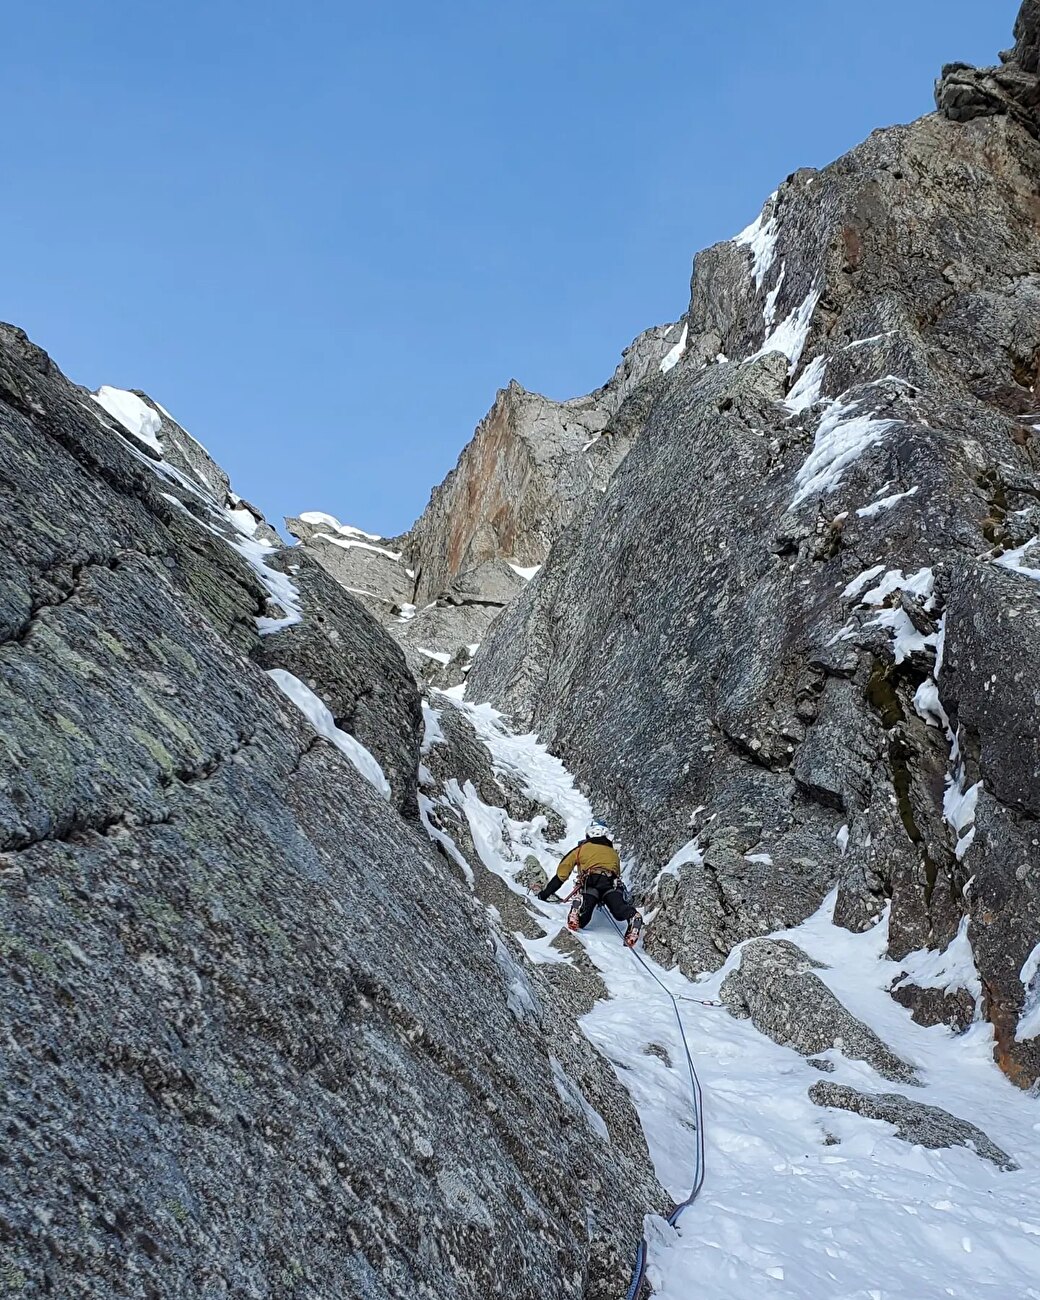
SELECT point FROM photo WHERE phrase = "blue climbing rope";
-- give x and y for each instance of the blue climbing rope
(639, 1274)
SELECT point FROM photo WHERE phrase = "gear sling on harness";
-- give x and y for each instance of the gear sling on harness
(595, 887)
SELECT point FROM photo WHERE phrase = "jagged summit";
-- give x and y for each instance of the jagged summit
(963, 92)
(529, 469)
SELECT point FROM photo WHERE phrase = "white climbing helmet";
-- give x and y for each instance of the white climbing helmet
(598, 831)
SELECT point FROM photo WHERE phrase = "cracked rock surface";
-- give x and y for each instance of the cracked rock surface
(232, 1061)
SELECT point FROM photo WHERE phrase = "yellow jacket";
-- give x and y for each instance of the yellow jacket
(590, 855)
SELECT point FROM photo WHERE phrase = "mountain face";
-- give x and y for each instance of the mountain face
(281, 1018)
(532, 465)
(815, 573)
(235, 967)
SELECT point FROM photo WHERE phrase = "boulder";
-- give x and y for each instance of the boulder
(925, 1126)
(775, 986)
(934, 1006)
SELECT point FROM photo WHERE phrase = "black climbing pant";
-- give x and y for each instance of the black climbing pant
(600, 887)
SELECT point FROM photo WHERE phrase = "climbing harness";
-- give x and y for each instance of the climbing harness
(639, 1274)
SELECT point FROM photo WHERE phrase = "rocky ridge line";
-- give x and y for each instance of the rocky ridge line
(532, 464)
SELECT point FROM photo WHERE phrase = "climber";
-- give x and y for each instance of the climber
(599, 881)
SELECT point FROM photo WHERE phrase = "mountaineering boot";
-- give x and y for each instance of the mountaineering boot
(632, 933)
(572, 917)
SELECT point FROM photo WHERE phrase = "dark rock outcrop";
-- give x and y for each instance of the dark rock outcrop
(776, 987)
(233, 1061)
(925, 1126)
(933, 1006)
(963, 92)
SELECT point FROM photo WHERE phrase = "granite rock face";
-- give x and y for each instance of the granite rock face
(814, 572)
(926, 1126)
(777, 988)
(531, 467)
(233, 1061)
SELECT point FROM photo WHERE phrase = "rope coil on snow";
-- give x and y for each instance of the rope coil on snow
(639, 1274)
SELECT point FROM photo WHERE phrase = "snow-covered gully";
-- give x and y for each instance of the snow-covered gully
(800, 1202)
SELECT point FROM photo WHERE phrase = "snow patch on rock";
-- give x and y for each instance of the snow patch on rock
(841, 438)
(671, 357)
(135, 416)
(318, 715)
(760, 238)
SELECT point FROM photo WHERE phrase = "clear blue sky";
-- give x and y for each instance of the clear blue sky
(323, 233)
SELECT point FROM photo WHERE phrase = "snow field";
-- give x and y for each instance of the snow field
(800, 1202)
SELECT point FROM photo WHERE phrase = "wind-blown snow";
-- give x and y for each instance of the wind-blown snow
(317, 714)
(760, 237)
(862, 580)
(690, 854)
(527, 573)
(279, 586)
(806, 392)
(791, 334)
(433, 733)
(1015, 560)
(959, 803)
(841, 438)
(351, 543)
(244, 520)
(800, 1202)
(216, 517)
(953, 968)
(906, 639)
(316, 518)
(921, 583)
(769, 310)
(862, 343)
(886, 503)
(135, 416)
(671, 358)
(427, 811)
(959, 800)
(439, 656)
